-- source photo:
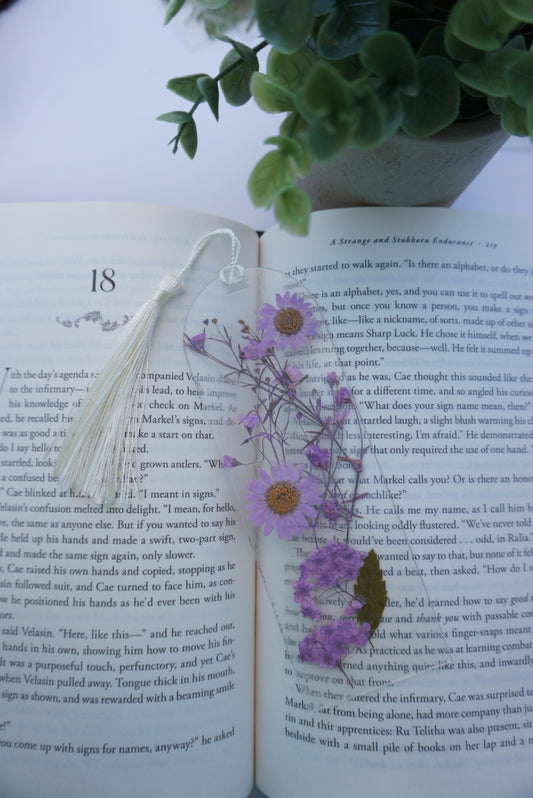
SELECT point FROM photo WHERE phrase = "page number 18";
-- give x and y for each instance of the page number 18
(103, 281)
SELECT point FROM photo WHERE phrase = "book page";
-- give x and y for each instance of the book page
(126, 657)
(432, 316)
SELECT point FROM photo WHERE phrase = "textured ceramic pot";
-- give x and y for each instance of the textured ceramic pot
(407, 171)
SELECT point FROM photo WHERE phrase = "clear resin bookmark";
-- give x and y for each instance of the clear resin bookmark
(347, 594)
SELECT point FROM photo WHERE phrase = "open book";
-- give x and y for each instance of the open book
(139, 654)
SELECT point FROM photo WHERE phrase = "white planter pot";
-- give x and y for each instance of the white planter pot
(407, 171)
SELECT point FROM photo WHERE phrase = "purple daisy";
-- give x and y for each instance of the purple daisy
(289, 324)
(283, 500)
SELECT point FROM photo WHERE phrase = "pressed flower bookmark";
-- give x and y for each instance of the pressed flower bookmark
(326, 533)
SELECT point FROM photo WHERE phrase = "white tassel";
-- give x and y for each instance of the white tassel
(96, 456)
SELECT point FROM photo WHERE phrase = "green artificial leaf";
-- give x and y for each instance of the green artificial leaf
(390, 56)
(285, 24)
(290, 70)
(458, 50)
(273, 174)
(188, 138)
(437, 104)
(292, 209)
(295, 150)
(324, 92)
(520, 78)
(187, 86)
(521, 9)
(172, 9)
(235, 80)
(326, 138)
(208, 88)
(488, 74)
(175, 117)
(483, 24)
(212, 4)
(514, 118)
(349, 25)
(377, 116)
(248, 55)
(529, 119)
(370, 587)
(269, 95)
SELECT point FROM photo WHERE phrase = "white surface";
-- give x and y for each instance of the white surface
(81, 85)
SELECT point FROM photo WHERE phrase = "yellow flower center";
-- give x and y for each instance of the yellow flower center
(282, 498)
(288, 321)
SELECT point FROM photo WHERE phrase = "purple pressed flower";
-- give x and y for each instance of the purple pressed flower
(230, 462)
(289, 323)
(319, 458)
(343, 396)
(331, 510)
(254, 350)
(331, 378)
(249, 420)
(197, 342)
(283, 500)
(333, 565)
(327, 645)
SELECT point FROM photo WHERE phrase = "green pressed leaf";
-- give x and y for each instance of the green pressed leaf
(488, 75)
(172, 9)
(520, 78)
(349, 25)
(390, 56)
(248, 55)
(286, 24)
(370, 588)
(292, 209)
(273, 174)
(514, 118)
(483, 24)
(437, 104)
(209, 90)
(521, 9)
(269, 95)
(235, 84)
(188, 138)
(290, 70)
(187, 86)
(175, 117)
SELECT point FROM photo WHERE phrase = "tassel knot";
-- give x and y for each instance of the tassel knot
(168, 287)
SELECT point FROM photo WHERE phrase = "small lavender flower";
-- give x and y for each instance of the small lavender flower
(319, 458)
(289, 324)
(333, 565)
(284, 500)
(230, 462)
(197, 342)
(331, 378)
(249, 420)
(254, 350)
(327, 645)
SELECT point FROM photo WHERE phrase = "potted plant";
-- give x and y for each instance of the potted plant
(355, 75)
